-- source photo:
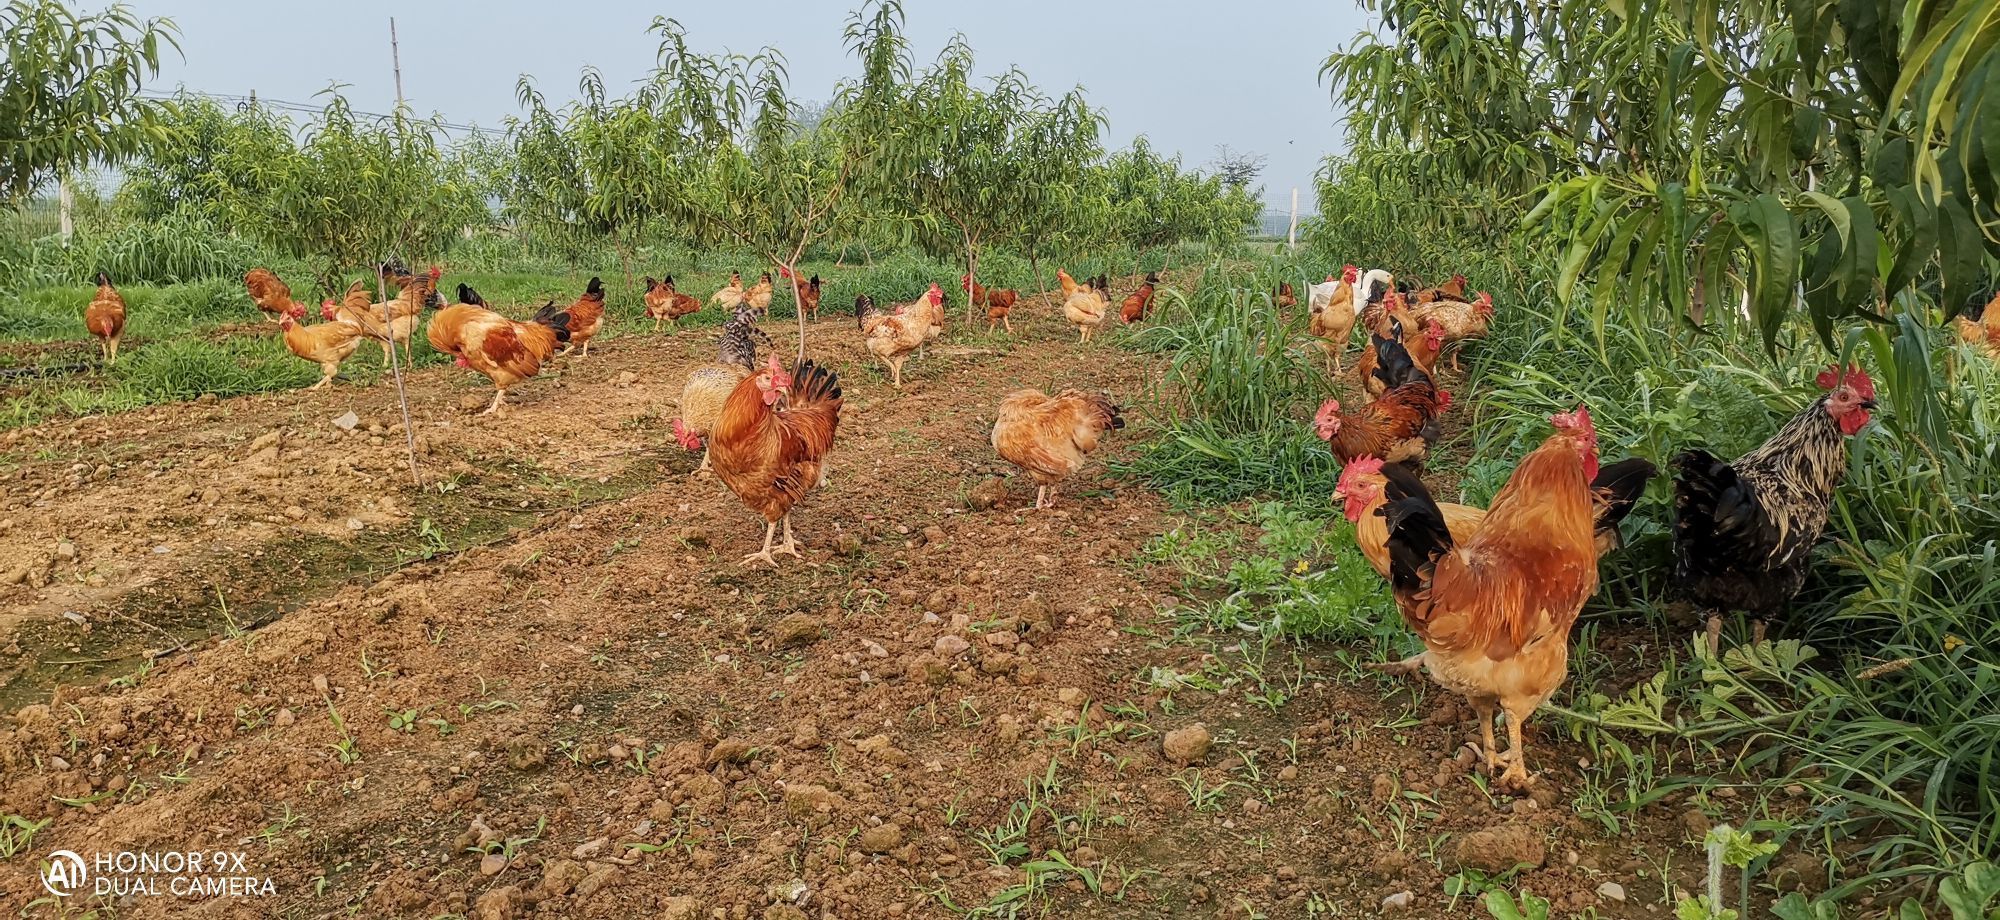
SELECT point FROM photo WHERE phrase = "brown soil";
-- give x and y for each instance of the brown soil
(665, 732)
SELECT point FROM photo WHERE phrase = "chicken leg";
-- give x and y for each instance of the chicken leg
(790, 547)
(764, 555)
(1516, 778)
(327, 372)
(498, 395)
(1485, 709)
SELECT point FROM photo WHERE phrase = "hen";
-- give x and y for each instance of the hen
(269, 293)
(759, 295)
(1744, 531)
(105, 318)
(357, 309)
(506, 351)
(1450, 290)
(1331, 310)
(1138, 302)
(1399, 426)
(808, 293)
(1423, 353)
(1981, 328)
(1049, 436)
(1376, 285)
(326, 344)
(1082, 305)
(893, 336)
(731, 295)
(998, 302)
(770, 443)
(1457, 319)
(1494, 612)
(664, 304)
(709, 385)
(586, 318)
(1616, 489)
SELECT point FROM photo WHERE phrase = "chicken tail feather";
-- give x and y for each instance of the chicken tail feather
(1621, 484)
(1418, 534)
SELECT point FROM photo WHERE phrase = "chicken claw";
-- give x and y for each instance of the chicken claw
(1404, 668)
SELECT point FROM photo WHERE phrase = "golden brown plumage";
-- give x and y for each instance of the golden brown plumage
(894, 336)
(357, 309)
(586, 317)
(325, 344)
(731, 295)
(1331, 313)
(507, 352)
(1494, 613)
(268, 292)
(664, 304)
(999, 302)
(1049, 436)
(1983, 333)
(1138, 302)
(1083, 305)
(770, 443)
(759, 295)
(105, 318)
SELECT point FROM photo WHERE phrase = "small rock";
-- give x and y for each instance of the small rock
(561, 876)
(1186, 746)
(933, 535)
(347, 421)
(938, 602)
(1612, 891)
(881, 838)
(847, 544)
(1401, 900)
(295, 512)
(498, 904)
(472, 402)
(492, 863)
(795, 630)
(681, 907)
(987, 495)
(1496, 850)
(590, 848)
(596, 880)
(284, 718)
(729, 750)
(355, 524)
(627, 378)
(66, 551)
(951, 646)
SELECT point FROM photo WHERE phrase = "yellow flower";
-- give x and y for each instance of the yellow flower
(1952, 643)
(1300, 568)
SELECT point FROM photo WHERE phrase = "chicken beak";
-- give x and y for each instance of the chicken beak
(1867, 404)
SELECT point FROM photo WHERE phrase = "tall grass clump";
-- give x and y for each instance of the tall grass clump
(1233, 401)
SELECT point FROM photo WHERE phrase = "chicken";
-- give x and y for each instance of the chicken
(1331, 309)
(357, 309)
(270, 294)
(506, 351)
(1981, 328)
(1049, 436)
(1376, 285)
(759, 295)
(930, 307)
(1457, 319)
(1397, 427)
(586, 318)
(1450, 290)
(731, 295)
(1744, 531)
(105, 318)
(1138, 302)
(893, 336)
(1494, 612)
(1616, 489)
(808, 293)
(770, 443)
(664, 304)
(326, 344)
(1284, 298)
(997, 301)
(709, 385)
(1083, 305)
(1423, 353)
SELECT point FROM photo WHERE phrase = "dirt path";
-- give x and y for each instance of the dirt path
(940, 707)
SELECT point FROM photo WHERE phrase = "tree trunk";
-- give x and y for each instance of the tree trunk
(798, 303)
(1035, 268)
(66, 201)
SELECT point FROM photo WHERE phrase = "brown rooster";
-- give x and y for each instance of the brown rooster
(664, 304)
(1049, 436)
(770, 443)
(1134, 308)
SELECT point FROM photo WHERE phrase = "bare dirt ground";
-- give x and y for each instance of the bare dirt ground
(541, 684)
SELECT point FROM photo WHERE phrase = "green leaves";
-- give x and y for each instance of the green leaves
(69, 93)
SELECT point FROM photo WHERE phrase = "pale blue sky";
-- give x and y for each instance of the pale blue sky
(1189, 75)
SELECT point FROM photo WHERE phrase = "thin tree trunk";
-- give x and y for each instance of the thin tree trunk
(66, 202)
(395, 372)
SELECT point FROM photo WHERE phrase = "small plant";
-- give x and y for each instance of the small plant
(17, 834)
(403, 720)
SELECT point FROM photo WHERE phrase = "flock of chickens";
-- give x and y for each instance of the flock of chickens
(1492, 593)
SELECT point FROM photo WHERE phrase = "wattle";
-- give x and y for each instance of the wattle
(1853, 422)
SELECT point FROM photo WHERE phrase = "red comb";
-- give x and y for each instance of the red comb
(1854, 377)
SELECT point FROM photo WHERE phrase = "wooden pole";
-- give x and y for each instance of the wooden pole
(382, 287)
(1292, 233)
(65, 201)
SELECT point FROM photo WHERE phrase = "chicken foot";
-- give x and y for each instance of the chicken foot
(770, 531)
(1403, 668)
(1516, 778)
(498, 395)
